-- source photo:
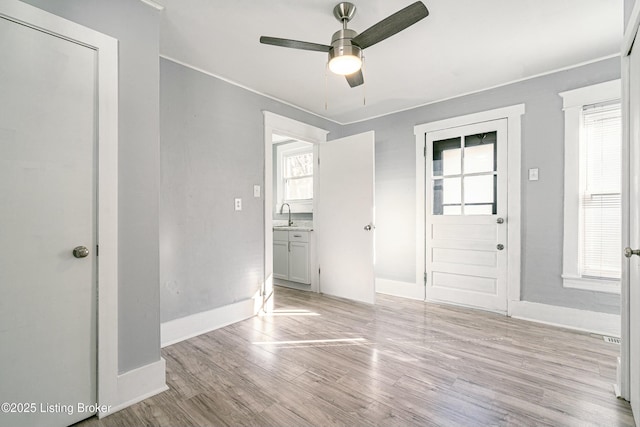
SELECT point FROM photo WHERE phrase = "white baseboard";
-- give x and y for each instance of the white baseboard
(139, 384)
(581, 320)
(400, 289)
(177, 330)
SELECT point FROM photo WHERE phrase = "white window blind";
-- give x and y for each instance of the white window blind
(600, 177)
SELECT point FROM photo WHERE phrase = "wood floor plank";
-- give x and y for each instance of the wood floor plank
(324, 361)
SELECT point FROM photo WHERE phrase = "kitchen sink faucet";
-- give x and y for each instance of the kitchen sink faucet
(290, 223)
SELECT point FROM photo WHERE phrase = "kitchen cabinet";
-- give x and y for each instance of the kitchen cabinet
(291, 256)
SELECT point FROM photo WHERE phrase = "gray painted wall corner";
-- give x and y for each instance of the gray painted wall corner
(212, 151)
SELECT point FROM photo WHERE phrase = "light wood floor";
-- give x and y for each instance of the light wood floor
(323, 361)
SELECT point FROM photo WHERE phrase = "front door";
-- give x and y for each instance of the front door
(466, 206)
(345, 216)
(48, 296)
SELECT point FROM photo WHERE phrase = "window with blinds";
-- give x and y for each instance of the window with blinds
(600, 179)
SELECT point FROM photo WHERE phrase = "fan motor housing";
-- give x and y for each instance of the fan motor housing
(341, 44)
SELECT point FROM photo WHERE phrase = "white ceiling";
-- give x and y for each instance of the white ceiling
(462, 46)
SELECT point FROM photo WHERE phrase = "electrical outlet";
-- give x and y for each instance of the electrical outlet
(238, 204)
(256, 191)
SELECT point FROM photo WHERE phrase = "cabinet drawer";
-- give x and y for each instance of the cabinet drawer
(280, 235)
(298, 236)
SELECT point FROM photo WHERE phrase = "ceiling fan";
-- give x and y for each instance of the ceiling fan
(345, 51)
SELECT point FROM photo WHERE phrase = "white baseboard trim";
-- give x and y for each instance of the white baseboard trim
(400, 289)
(177, 330)
(139, 384)
(581, 320)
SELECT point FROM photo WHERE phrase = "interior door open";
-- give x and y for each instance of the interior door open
(344, 220)
(466, 222)
(632, 251)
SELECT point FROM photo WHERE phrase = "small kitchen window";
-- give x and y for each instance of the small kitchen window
(295, 176)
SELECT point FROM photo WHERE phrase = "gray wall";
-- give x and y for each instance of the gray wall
(136, 27)
(212, 151)
(542, 201)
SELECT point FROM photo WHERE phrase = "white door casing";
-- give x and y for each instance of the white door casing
(280, 125)
(464, 265)
(629, 368)
(105, 51)
(512, 220)
(344, 219)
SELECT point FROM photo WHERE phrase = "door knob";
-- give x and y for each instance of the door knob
(500, 246)
(500, 220)
(80, 251)
(368, 227)
(628, 252)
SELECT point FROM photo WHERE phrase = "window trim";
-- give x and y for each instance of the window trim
(573, 102)
(290, 148)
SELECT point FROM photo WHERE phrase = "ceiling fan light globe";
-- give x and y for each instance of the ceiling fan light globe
(345, 64)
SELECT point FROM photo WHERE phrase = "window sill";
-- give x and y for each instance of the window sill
(608, 286)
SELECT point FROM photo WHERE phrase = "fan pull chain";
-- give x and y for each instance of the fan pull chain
(326, 86)
(364, 83)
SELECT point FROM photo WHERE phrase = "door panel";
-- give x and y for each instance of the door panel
(299, 263)
(345, 208)
(466, 194)
(47, 207)
(281, 259)
(634, 230)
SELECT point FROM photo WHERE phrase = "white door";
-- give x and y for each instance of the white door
(48, 297)
(466, 223)
(634, 231)
(344, 220)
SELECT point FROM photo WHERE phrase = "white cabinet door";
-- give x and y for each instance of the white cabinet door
(345, 230)
(281, 260)
(299, 262)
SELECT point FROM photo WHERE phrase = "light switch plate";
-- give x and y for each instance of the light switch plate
(238, 204)
(533, 174)
(256, 191)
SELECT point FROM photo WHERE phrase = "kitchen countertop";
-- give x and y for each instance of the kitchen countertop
(293, 228)
(300, 225)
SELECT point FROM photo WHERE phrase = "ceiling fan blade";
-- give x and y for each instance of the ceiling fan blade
(355, 79)
(391, 25)
(295, 44)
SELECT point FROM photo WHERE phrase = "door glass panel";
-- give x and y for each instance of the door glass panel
(447, 192)
(480, 153)
(452, 161)
(447, 157)
(479, 190)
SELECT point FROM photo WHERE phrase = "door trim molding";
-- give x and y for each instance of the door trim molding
(281, 125)
(106, 49)
(513, 114)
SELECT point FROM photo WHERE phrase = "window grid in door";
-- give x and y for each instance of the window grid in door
(464, 175)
